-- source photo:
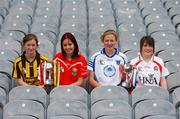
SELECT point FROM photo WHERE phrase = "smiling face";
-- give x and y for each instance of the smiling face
(109, 42)
(30, 48)
(68, 47)
(147, 47)
(147, 50)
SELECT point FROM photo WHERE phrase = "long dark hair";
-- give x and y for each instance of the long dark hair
(149, 40)
(70, 36)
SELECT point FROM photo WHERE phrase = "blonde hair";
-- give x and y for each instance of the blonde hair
(109, 32)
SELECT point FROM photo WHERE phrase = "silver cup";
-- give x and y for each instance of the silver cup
(128, 68)
(48, 69)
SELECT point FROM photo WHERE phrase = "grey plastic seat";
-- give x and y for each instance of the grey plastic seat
(158, 26)
(170, 54)
(156, 18)
(34, 93)
(167, 45)
(22, 9)
(132, 26)
(129, 44)
(3, 98)
(16, 25)
(67, 108)
(21, 17)
(113, 117)
(165, 36)
(8, 54)
(6, 66)
(176, 20)
(148, 3)
(169, 4)
(148, 93)
(173, 81)
(65, 117)
(173, 66)
(5, 82)
(154, 107)
(176, 97)
(153, 10)
(24, 107)
(8, 42)
(173, 11)
(14, 34)
(131, 54)
(20, 117)
(109, 92)
(69, 93)
(111, 107)
(160, 117)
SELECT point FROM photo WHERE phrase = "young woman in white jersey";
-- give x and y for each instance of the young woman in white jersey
(104, 66)
(151, 69)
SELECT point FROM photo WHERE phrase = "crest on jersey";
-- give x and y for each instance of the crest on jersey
(155, 68)
(102, 62)
(109, 70)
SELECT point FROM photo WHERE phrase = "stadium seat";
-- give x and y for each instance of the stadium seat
(176, 20)
(160, 117)
(111, 107)
(67, 108)
(148, 93)
(131, 54)
(158, 26)
(113, 117)
(173, 66)
(173, 81)
(69, 93)
(66, 117)
(109, 93)
(5, 82)
(154, 107)
(34, 93)
(20, 117)
(176, 97)
(170, 54)
(8, 54)
(6, 66)
(25, 108)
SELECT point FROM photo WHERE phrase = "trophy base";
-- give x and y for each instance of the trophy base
(126, 85)
(48, 88)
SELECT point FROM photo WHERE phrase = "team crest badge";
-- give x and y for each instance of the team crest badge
(109, 70)
(118, 62)
(155, 68)
(74, 71)
(101, 62)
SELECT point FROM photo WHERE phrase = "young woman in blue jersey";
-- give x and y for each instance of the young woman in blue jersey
(105, 66)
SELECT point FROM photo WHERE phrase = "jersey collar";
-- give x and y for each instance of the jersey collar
(115, 52)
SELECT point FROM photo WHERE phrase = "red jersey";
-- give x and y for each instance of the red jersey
(70, 71)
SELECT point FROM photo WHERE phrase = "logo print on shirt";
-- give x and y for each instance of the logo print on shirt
(74, 71)
(109, 70)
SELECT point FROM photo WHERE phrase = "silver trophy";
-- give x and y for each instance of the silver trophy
(128, 70)
(48, 69)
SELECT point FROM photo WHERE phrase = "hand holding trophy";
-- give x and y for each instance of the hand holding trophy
(49, 74)
(128, 68)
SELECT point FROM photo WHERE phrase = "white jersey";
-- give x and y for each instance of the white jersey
(106, 68)
(150, 73)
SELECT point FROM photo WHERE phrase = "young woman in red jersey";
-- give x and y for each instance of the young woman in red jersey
(72, 64)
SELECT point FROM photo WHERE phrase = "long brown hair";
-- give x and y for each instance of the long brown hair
(70, 36)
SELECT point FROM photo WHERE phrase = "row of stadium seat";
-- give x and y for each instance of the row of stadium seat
(103, 102)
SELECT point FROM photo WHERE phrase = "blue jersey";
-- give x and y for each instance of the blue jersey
(106, 68)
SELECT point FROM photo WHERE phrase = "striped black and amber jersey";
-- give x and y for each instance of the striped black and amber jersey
(28, 71)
